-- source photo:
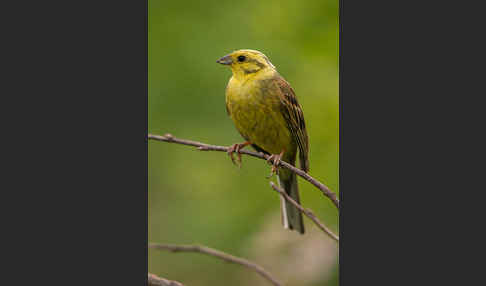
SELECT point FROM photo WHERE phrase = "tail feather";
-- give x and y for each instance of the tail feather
(291, 216)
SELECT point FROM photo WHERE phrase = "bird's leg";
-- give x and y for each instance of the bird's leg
(275, 160)
(236, 148)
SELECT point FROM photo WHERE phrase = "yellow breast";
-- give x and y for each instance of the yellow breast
(255, 108)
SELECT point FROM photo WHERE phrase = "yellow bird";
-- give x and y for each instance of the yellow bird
(266, 113)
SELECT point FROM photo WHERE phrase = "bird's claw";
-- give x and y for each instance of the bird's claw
(236, 148)
(274, 159)
(232, 149)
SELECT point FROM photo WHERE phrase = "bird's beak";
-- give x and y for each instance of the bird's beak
(226, 60)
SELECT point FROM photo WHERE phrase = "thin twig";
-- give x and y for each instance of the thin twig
(206, 147)
(306, 212)
(154, 280)
(219, 254)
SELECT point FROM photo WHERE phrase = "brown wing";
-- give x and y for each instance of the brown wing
(295, 120)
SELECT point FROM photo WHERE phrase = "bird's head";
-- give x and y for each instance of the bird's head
(246, 62)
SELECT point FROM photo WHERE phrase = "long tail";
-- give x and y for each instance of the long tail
(291, 216)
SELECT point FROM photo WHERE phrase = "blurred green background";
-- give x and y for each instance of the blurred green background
(201, 197)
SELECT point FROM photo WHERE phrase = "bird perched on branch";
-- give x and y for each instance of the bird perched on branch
(266, 113)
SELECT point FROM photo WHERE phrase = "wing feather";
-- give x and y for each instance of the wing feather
(294, 116)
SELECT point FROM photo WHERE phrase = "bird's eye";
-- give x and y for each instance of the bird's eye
(241, 58)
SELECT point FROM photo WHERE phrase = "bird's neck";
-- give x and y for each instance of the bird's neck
(242, 76)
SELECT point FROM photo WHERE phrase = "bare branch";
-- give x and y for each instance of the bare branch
(206, 147)
(154, 280)
(306, 212)
(219, 254)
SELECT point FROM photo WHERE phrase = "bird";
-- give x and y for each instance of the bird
(265, 111)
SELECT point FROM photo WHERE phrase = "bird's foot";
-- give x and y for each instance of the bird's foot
(236, 148)
(274, 159)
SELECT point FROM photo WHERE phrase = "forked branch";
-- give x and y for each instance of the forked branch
(206, 147)
(306, 212)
